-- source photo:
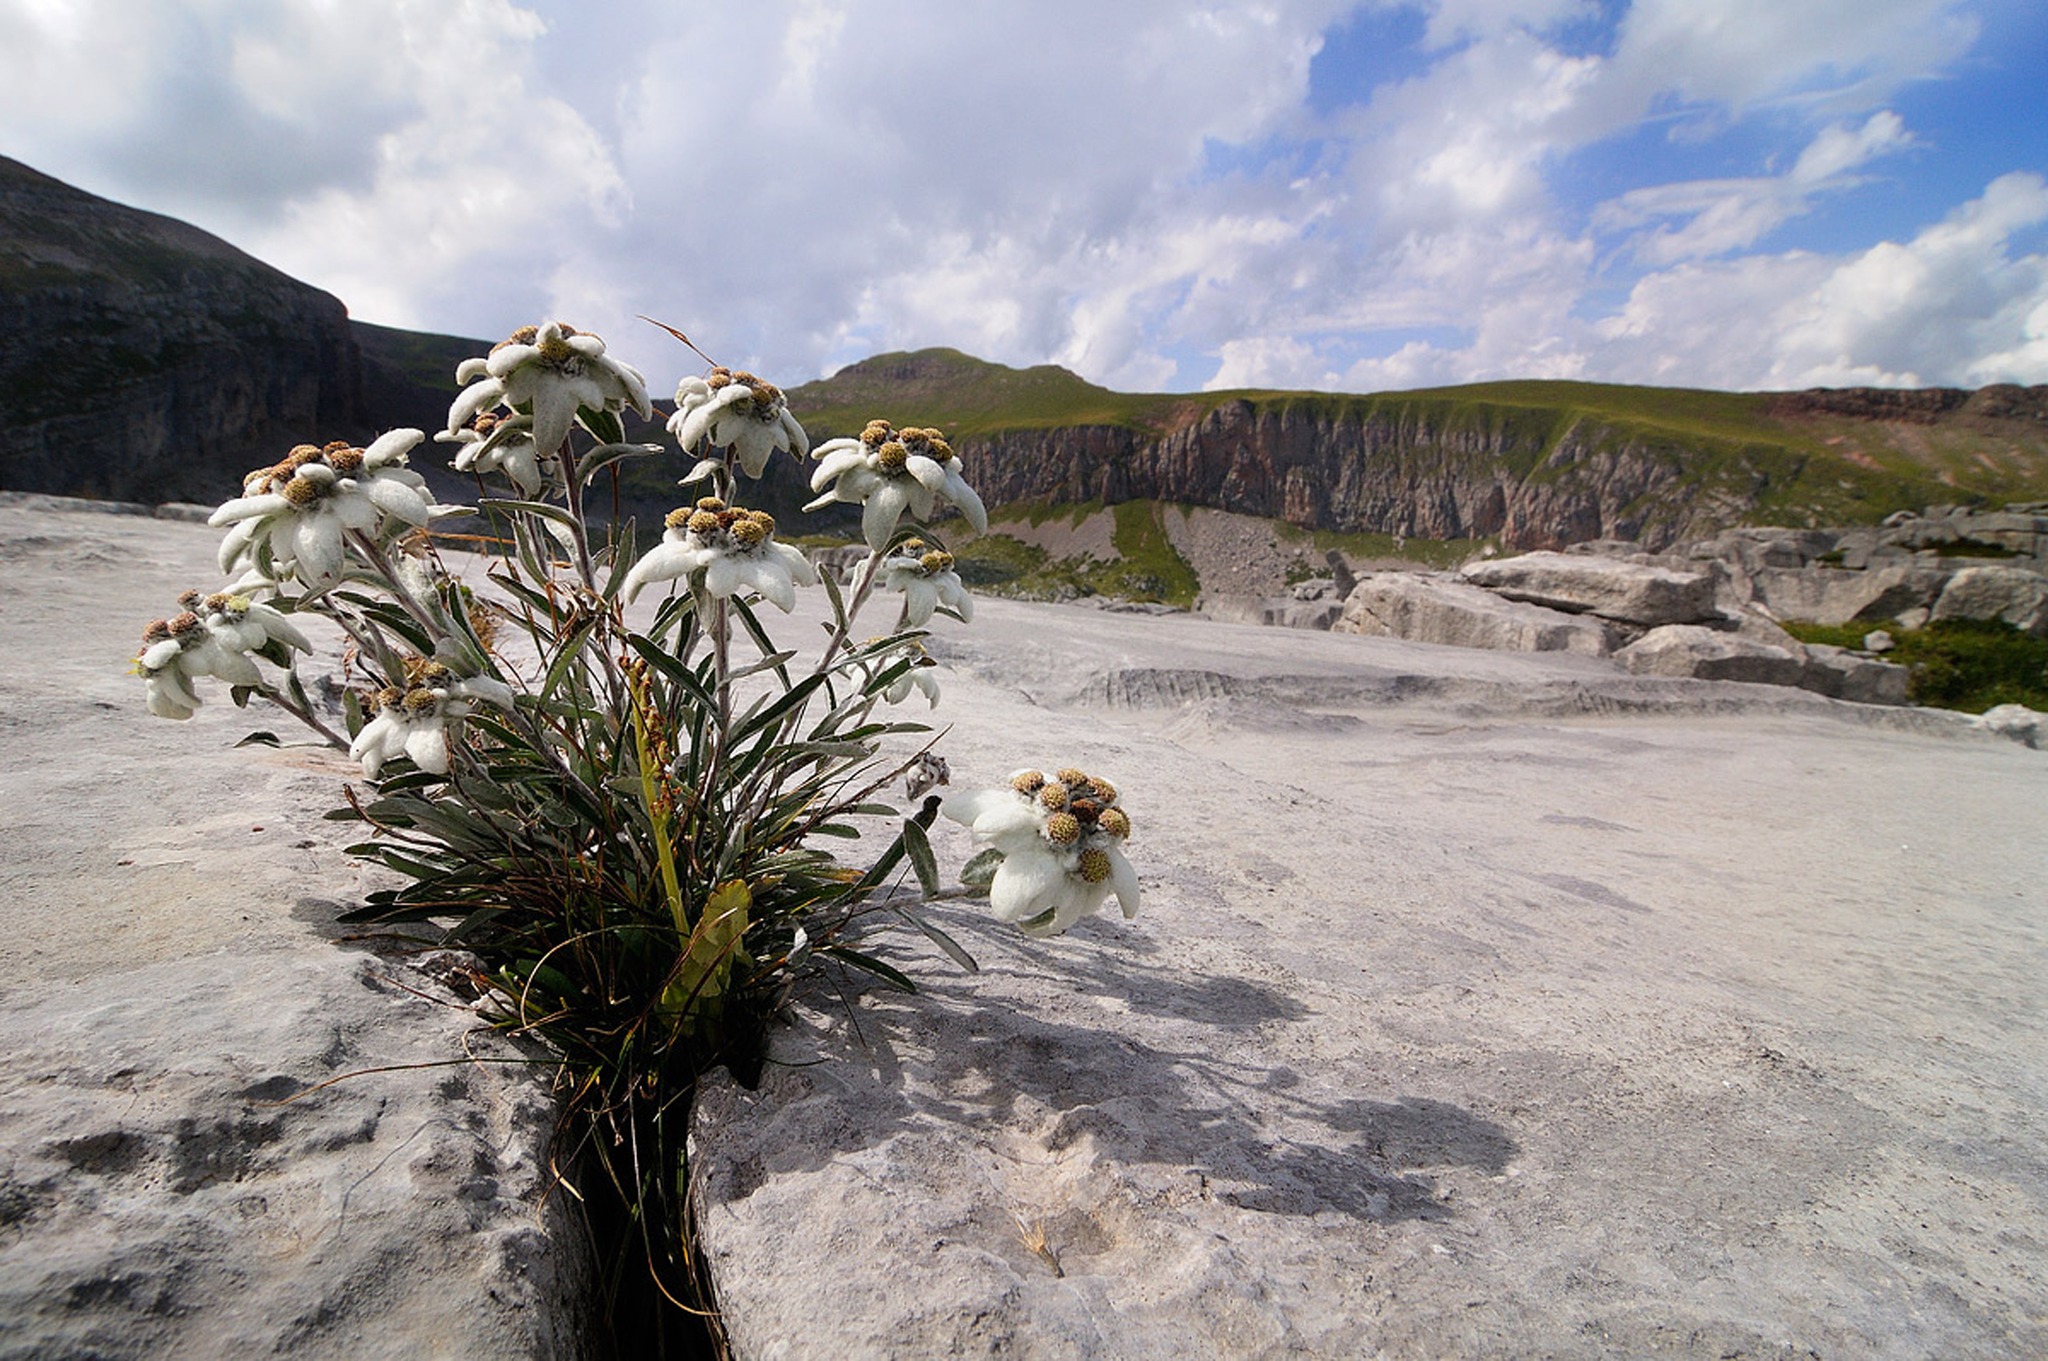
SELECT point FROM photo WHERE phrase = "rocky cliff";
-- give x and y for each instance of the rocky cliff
(1536, 465)
(147, 360)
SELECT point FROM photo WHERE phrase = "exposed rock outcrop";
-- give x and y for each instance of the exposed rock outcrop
(1439, 608)
(148, 361)
(1629, 592)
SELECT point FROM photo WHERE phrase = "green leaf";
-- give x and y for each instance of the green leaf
(921, 858)
(540, 508)
(605, 426)
(893, 976)
(608, 455)
(259, 739)
(980, 872)
(942, 940)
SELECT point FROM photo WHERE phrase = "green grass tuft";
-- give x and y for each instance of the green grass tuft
(1966, 664)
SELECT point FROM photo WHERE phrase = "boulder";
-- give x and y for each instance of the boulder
(2023, 725)
(1633, 592)
(1841, 674)
(1825, 595)
(1708, 654)
(1432, 608)
(2013, 594)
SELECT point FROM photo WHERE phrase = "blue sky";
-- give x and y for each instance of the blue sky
(1160, 194)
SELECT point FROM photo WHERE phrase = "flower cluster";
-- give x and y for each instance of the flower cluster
(723, 549)
(740, 412)
(492, 443)
(414, 720)
(888, 471)
(548, 374)
(293, 518)
(213, 636)
(926, 577)
(1060, 838)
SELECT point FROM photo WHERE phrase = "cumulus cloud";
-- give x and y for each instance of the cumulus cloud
(1143, 192)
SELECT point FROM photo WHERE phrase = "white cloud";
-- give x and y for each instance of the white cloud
(1123, 189)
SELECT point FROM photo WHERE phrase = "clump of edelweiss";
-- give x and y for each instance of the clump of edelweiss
(1061, 839)
(888, 471)
(493, 443)
(926, 577)
(414, 720)
(548, 373)
(212, 636)
(736, 411)
(722, 549)
(293, 518)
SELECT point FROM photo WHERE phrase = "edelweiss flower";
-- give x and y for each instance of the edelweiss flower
(721, 550)
(548, 373)
(212, 637)
(918, 677)
(292, 518)
(1060, 840)
(927, 580)
(737, 411)
(504, 444)
(413, 721)
(887, 472)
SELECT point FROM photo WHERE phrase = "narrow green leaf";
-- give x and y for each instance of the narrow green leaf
(942, 940)
(980, 872)
(921, 858)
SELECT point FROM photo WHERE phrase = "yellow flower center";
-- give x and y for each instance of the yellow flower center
(1116, 822)
(678, 518)
(748, 533)
(156, 630)
(1063, 829)
(418, 701)
(346, 461)
(936, 562)
(556, 350)
(1095, 866)
(182, 624)
(1053, 796)
(1028, 782)
(301, 492)
(710, 503)
(1073, 777)
(703, 522)
(892, 456)
(1104, 790)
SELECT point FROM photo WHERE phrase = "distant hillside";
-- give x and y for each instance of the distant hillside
(147, 360)
(1537, 464)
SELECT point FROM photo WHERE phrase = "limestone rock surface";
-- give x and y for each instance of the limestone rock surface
(1473, 1010)
(1634, 592)
(175, 1182)
(1440, 608)
(1708, 654)
(2013, 594)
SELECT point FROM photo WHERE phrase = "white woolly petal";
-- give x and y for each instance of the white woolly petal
(427, 745)
(169, 696)
(585, 344)
(954, 594)
(469, 370)
(965, 497)
(398, 501)
(928, 473)
(756, 447)
(923, 679)
(351, 507)
(391, 447)
(554, 411)
(487, 689)
(372, 745)
(236, 543)
(249, 507)
(792, 558)
(920, 598)
(1011, 826)
(472, 399)
(1124, 880)
(725, 574)
(884, 508)
(836, 463)
(501, 362)
(1025, 885)
(316, 549)
(665, 561)
(772, 576)
(275, 625)
(159, 655)
(636, 389)
(793, 437)
(969, 804)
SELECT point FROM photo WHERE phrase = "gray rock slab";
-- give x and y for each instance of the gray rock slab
(1840, 673)
(2013, 594)
(1482, 1004)
(1441, 608)
(1709, 654)
(1827, 595)
(172, 972)
(1635, 592)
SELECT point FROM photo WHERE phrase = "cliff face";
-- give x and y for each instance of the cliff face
(1395, 471)
(146, 360)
